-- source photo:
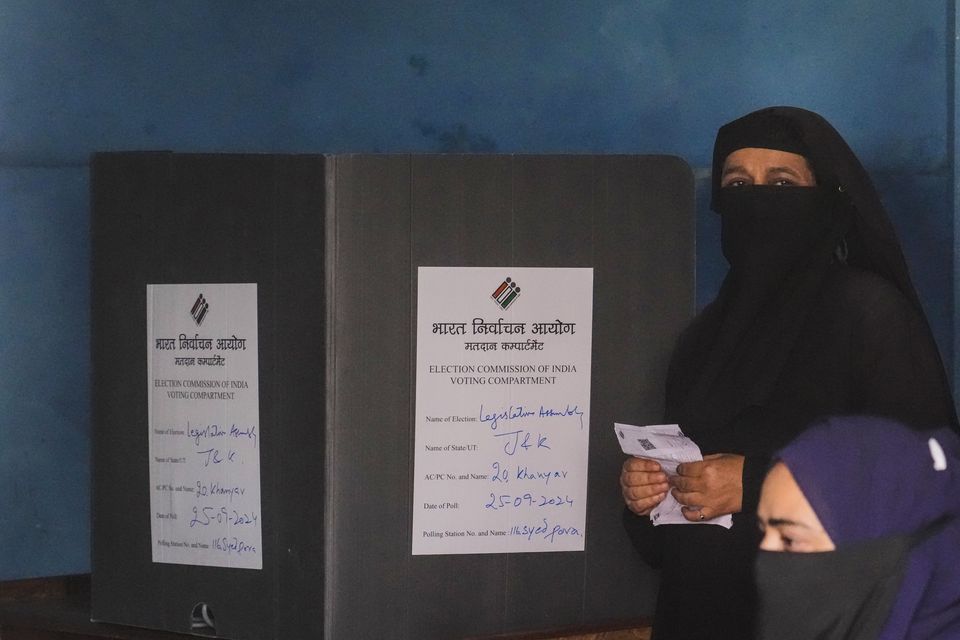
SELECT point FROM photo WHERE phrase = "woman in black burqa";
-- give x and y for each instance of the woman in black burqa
(816, 317)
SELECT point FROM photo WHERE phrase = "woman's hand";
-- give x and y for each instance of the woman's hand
(644, 485)
(710, 488)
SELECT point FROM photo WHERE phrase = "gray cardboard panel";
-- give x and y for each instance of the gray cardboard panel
(167, 218)
(486, 211)
(334, 244)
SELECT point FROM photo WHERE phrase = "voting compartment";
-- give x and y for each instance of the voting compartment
(373, 396)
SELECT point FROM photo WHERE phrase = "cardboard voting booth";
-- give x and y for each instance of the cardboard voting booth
(372, 395)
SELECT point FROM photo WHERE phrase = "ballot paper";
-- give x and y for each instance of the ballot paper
(666, 444)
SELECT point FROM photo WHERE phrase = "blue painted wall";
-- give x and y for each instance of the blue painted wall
(380, 75)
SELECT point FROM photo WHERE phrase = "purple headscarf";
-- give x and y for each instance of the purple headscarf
(869, 478)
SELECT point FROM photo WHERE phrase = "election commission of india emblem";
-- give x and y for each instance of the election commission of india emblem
(506, 293)
(199, 309)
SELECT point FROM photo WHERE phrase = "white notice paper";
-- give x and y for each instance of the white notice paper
(502, 409)
(666, 444)
(203, 395)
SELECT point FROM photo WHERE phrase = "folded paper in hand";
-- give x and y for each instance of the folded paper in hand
(666, 444)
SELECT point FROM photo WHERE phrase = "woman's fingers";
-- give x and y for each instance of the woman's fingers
(644, 506)
(642, 492)
(694, 514)
(643, 484)
(641, 478)
(714, 483)
(692, 499)
(631, 465)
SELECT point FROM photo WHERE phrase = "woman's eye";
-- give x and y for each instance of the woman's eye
(787, 542)
(784, 182)
(737, 182)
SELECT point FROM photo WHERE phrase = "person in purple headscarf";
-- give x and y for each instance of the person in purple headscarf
(861, 535)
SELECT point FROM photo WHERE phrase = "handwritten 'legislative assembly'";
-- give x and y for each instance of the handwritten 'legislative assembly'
(503, 409)
(204, 420)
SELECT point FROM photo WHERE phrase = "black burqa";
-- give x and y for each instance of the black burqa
(817, 316)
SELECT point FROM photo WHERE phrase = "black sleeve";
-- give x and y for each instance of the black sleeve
(645, 537)
(754, 471)
(897, 367)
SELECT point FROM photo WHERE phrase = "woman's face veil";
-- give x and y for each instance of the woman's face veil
(871, 241)
(893, 520)
(784, 244)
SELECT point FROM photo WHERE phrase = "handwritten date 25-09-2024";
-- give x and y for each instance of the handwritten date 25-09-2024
(204, 516)
(507, 501)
